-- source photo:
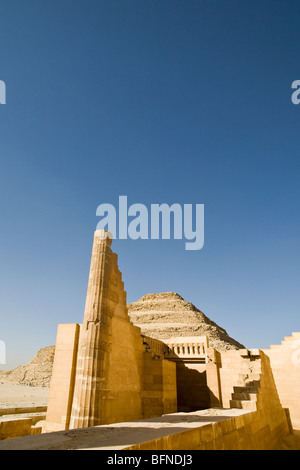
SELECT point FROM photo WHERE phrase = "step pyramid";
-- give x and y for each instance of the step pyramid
(167, 315)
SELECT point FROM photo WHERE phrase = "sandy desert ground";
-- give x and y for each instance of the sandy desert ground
(15, 393)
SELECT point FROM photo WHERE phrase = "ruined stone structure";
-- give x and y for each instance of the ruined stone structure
(285, 363)
(251, 417)
(112, 378)
(104, 371)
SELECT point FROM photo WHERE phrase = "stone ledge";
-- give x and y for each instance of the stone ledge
(135, 434)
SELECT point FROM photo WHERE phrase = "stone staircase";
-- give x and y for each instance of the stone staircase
(295, 337)
(245, 393)
(245, 397)
(285, 363)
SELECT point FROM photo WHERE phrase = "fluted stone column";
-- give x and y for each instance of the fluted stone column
(94, 344)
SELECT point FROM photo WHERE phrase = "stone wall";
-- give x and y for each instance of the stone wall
(245, 382)
(63, 378)
(103, 371)
(23, 420)
(17, 427)
(250, 431)
(211, 429)
(285, 363)
(253, 418)
(140, 384)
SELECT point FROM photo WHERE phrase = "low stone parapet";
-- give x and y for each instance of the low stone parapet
(212, 429)
(21, 420)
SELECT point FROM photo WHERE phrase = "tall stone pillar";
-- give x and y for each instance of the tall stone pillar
(101, 367)
(95, 339)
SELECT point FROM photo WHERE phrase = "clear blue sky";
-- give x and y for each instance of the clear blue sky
(162, 101)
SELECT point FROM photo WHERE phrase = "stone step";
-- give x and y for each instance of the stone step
(253, 383)
(251, 378)
(288, 338)
(248, 385)
(296, 334)
(244, 396)
(253, 366)
(243, 404)
(255, 372)
(255, 377)
(244, 389)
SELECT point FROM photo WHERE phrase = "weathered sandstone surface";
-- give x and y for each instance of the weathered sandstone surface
(168, 315)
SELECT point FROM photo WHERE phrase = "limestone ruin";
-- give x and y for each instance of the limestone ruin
(161, 316)
(112, 378)
(90, 384)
